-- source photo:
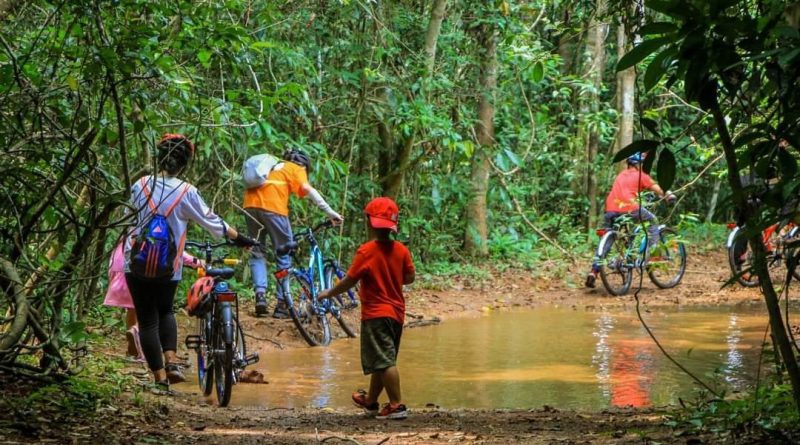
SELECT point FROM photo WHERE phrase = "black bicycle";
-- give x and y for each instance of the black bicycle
(219, 343)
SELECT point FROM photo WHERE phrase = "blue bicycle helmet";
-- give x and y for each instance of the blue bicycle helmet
(636, 158)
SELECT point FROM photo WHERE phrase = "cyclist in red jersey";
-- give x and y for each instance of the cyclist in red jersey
(623, 200)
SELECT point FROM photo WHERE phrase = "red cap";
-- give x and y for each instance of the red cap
(176, 137)
(383, 213)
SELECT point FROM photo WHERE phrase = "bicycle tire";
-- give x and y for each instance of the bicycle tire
(667, 239)
(347, 300)
(613, 258)
(240, 350)
(223, 364)
(337, 309)
(205, 359)
(310, 322)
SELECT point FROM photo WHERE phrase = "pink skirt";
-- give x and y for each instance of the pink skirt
(118, 294)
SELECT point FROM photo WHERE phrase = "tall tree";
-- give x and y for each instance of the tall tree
(476, 236)
(399, 158)
(626, 90)
(595, 62)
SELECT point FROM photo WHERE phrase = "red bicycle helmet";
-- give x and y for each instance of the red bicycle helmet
(199, 294)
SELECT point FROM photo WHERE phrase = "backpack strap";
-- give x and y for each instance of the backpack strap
(150, 203)
(153, 206)
(177, 200)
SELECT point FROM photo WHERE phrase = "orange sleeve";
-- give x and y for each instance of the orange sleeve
(299, 179)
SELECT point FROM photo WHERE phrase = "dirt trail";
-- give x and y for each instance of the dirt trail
(185, 419)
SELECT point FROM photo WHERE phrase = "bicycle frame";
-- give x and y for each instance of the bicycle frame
(314, 273)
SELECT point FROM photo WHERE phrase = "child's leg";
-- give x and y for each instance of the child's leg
(390, 379)
(130, 318)
(130, 334)
(375, 386)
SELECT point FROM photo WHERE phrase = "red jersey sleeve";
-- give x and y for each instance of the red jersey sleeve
(645, 182)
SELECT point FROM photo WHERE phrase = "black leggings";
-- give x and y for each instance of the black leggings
(158, 330)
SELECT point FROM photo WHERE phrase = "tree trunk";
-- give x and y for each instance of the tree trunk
(626, 85)
(712, 206)
(396, 155)
(476, 236)
(778, 328)
(596, 61)
(432, 36)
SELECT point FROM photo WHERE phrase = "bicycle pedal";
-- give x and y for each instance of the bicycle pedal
(251, 359)
(193, 341)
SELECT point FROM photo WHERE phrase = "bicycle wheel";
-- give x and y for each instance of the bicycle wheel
(307, 314)
(336, 303)
(667, 262)
(239, 350)
(616, 269)
(347, 300)
(223, 363)
(205, 356)
(792, 254)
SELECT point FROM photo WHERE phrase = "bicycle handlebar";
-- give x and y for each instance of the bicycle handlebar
(208, 245)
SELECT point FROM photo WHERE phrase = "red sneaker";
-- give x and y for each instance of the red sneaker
(391, 411)
(360, 399)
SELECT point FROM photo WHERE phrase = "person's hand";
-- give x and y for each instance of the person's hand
(670, 197)
(336, 218)
(324, 294)
(244, 241)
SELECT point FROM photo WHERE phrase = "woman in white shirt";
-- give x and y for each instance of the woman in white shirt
(179, 202)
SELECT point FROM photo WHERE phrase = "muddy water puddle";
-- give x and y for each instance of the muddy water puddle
(550, 356)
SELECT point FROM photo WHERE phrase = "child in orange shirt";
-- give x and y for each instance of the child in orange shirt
(383, 266)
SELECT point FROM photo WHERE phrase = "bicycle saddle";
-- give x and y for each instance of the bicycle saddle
(289, 247)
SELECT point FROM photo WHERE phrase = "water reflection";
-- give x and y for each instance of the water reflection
(558, 357)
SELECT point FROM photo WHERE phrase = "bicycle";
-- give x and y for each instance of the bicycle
(775, 239)
(219, 343)
(310, 316)
(621, 250)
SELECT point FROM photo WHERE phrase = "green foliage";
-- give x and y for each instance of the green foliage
(767, 413)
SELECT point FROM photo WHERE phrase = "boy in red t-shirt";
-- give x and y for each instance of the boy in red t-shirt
(382, 266)
(622, 200)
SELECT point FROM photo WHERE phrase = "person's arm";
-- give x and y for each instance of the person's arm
(655, 188)
(341, 287)
(191, 261)
(409, 271)
(320, 202)
(197, 210)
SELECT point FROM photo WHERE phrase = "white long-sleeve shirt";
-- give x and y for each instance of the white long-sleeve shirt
(164, 191)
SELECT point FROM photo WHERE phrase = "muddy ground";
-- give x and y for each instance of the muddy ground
(181, 418)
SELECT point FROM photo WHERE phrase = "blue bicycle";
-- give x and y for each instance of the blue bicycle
(299, 291)
(622, 250)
